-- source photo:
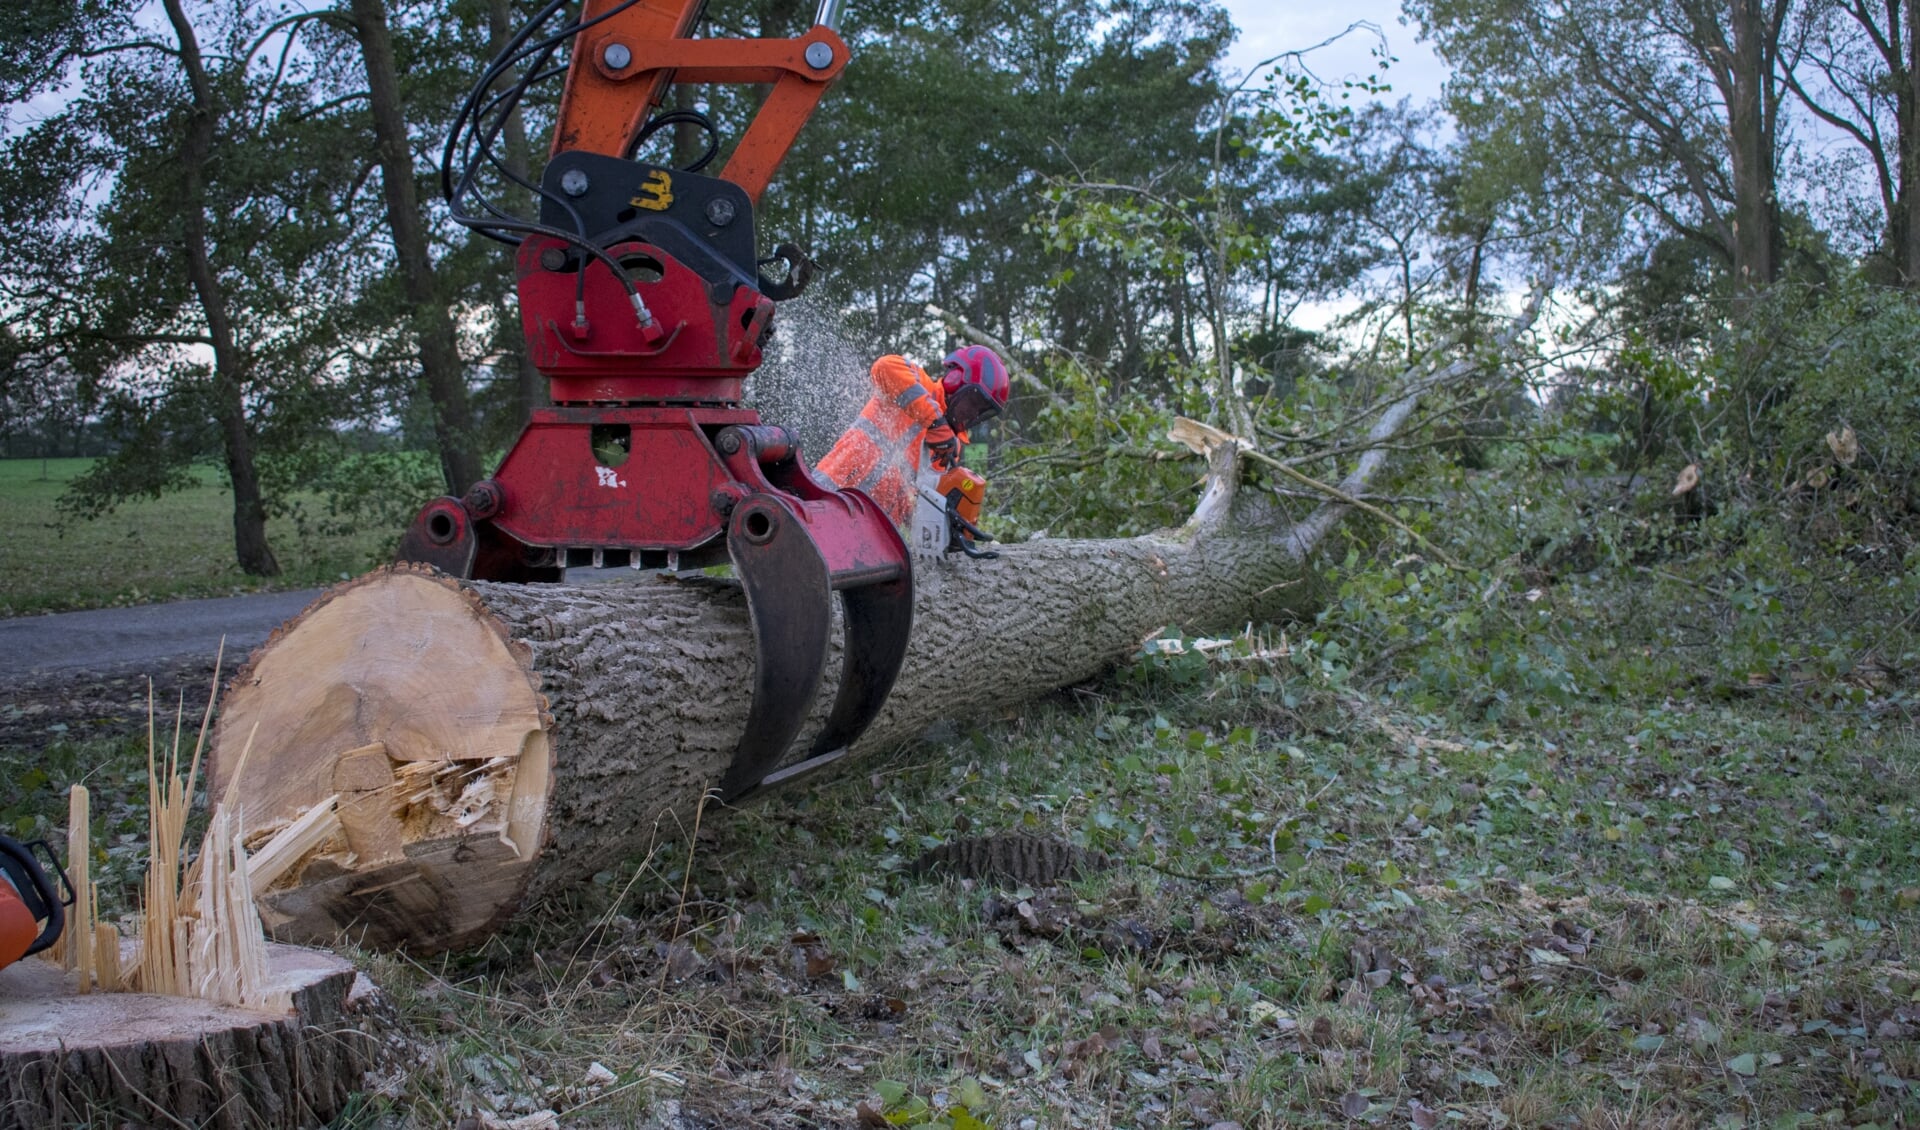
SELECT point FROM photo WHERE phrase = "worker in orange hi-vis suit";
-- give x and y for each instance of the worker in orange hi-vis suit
(908, 412)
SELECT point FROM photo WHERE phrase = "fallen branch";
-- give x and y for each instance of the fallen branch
(1310, 530)
(1354, 501)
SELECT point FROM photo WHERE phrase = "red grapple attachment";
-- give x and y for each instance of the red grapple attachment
(700, 486)
(792, 545)
(643, 303)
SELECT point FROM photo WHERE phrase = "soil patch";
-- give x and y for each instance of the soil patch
(89, 704)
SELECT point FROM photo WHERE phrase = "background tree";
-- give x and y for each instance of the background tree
(1395, 153)
(1205, 231)
(1855, 66)
(1660, 112)
(427, 304)
(182, 224)
(919, 176)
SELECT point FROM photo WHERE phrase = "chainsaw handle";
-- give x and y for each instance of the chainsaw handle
(971, 530)
(19, 868)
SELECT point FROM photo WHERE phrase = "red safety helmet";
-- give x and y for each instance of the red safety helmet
(980, 366)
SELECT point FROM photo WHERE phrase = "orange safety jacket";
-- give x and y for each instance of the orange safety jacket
(880, 453)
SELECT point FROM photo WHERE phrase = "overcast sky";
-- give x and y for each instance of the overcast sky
(1268, 27)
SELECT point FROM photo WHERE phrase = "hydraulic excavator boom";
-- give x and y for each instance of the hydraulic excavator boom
(644, 304)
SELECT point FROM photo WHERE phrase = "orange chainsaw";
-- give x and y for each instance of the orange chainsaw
(32, 913)
(947, 517)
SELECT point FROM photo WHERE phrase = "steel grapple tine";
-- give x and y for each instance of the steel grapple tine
(789, 601)
(879, 619)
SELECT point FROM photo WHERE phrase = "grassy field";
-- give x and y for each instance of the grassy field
(177, 546)
(1319, 910)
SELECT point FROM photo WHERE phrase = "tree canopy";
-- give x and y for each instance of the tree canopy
(229, 243)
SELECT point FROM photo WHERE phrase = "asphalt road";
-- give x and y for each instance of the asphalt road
(112, 639)
(109, 638)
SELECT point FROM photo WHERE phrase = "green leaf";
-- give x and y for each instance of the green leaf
(971, 1094)
(1743, 1064)
(1315, 903)
(849, 980)
(890, 1092)
(1480, 1077)
(1720, 883)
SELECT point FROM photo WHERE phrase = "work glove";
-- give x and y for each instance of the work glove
(943, 445)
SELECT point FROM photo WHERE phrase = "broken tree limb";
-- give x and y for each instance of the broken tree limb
(1205, 439)
(491, 744)
(1330, 491)
(1312, 529)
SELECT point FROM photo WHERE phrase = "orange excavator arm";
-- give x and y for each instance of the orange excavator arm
(623, 66)
(644, 303)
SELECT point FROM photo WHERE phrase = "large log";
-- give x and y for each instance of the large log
(483, 745)
(68, 1059)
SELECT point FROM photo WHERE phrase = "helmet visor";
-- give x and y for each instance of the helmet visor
(969, 405)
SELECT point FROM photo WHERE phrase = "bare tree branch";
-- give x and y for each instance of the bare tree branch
(1303, 535)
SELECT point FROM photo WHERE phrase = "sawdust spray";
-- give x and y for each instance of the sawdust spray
(814, 378)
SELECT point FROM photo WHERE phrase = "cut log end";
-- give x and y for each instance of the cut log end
(399, 776)
(68, 1059)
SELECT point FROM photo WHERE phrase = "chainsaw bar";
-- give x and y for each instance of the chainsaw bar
(931, 528)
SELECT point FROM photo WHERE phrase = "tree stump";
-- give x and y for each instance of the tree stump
(136, 1058)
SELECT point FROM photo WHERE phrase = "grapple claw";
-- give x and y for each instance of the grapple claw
(878, 620)
(789, 598)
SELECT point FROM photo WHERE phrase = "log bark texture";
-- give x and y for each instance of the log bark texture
(486, 744)
(144, 1060)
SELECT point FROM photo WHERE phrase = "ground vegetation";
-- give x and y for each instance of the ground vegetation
(1581, 793)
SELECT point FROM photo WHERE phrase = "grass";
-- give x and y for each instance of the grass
(1332, 912)
(1690, 906)
(177, 546)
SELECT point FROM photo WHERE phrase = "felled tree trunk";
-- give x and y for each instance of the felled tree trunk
(482, 744)
(145, 1060)
(460, 749)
